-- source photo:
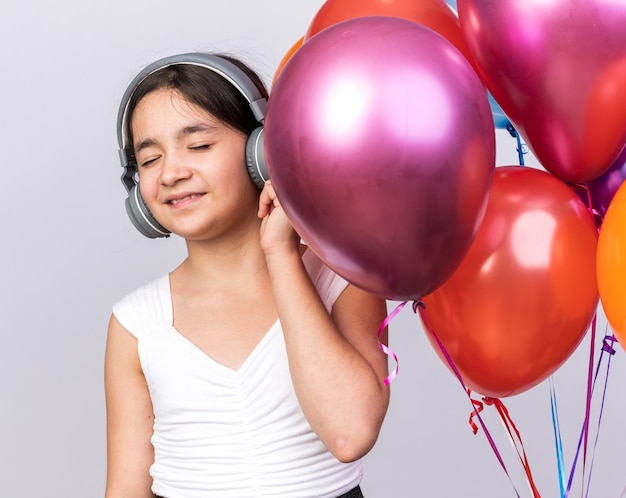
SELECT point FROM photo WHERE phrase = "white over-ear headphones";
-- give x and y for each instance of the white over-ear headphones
(137, 210)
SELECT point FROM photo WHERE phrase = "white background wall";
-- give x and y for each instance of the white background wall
(68, 252)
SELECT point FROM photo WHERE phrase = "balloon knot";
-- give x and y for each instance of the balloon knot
(607, 344)
(417, 305)
(489, 400)
(512, 131)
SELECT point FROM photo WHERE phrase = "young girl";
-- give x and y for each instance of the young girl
(251, 369)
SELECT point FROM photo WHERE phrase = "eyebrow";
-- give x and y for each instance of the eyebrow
(144, 144)
(186, 131)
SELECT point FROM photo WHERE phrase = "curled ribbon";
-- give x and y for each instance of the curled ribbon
(511, 429)
(384, 348)
(478, 407)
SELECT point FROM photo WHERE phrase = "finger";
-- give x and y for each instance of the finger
(268, 189)
(266, 203)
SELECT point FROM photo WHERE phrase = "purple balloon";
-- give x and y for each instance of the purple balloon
(380, 143)
(603, 188)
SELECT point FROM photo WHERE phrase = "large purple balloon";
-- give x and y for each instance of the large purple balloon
(381, 146)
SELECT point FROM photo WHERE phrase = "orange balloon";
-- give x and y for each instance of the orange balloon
(524, 295)
(434, 14)
(294, 48)
(612, 264)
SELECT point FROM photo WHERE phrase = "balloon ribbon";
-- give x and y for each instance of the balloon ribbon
(557, 439)
(607, 347)
(521, 148)
(592, 210)
(477, 407)
(514, 436)
(383, 347)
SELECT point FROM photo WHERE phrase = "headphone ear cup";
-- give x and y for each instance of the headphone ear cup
(255, 158)
(141, 217)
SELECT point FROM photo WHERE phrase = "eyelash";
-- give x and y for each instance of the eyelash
(147, 162)
(193, 148)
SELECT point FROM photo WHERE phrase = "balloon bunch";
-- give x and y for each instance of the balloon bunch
(380, 142)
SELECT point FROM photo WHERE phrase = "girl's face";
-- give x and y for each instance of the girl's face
(192, 172)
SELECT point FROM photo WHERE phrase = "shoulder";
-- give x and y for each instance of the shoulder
(329, 285)
(145, 308)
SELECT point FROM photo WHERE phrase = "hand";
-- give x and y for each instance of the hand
(277, 233)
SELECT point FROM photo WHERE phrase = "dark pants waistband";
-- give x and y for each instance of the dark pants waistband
(353, 493)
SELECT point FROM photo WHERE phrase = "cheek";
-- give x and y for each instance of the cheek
(234, 170)
(146, 187)
(241, 188)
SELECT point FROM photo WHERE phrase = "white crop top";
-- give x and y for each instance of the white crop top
(229, 433)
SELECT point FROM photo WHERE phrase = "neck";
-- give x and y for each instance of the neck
(237, 259)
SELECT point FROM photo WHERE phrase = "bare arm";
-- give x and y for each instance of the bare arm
(337, 367)
(129, 418)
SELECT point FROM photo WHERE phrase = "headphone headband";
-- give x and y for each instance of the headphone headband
(226, 69)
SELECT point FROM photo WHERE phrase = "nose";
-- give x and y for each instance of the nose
(174, 169)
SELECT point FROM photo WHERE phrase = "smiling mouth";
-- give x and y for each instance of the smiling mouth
(184, 199)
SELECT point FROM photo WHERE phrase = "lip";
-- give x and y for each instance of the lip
(183, 199)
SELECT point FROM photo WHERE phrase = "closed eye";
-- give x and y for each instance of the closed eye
(200, 147)
(148, 161)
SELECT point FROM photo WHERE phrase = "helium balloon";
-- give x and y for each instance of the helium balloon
(524, 296)
(612, 264)
(558, 70)
(381, 146)
(434, 14)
